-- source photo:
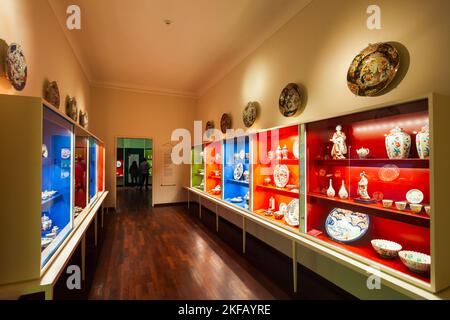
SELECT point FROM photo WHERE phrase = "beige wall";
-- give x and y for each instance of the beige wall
(33, 25)
(315, 49)
(118, 113)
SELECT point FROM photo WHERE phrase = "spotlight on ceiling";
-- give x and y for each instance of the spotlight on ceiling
(168, 22)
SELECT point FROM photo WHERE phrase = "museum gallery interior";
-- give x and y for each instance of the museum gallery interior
(224, 149)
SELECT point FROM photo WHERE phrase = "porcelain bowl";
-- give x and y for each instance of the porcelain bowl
(415, 261)
(385, 248)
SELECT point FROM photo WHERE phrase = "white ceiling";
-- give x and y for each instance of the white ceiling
(125, 43)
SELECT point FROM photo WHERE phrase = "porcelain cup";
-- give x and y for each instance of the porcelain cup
(387, 203)
(428, 210)
(400, 205)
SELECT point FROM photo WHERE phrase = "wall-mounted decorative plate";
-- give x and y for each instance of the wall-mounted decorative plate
(16, 67)
(52, 94)
(373, 69)
(83, 119)
(346, 226)
(249, 114)
(290, 100)
(71, 108)
(225, 122)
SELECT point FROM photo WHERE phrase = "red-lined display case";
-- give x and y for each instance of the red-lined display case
(80, 172)
(277, 151)
(213, 168)
(101, 167)
(368, 142)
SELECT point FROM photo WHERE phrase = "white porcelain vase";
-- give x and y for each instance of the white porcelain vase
(423, 142)
(398, 144)
(330, 192)
(343, 193)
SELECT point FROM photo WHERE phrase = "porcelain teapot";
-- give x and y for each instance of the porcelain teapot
(363, 152)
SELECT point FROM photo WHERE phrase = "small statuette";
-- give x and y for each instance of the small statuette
(271, 204)
(278, 153)
(362, 187)
(285, 152)
(339, 149)
(398, 144)
(363, 152)
(343, 194)
(423, 142)
(330, 192)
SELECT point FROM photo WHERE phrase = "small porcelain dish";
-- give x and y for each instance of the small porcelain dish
(416, 208)
(385, 248)
(415, 261)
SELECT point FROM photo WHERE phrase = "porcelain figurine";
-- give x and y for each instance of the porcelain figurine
(330, 192)
(339, 149)
(343, 193)
(363, 152)
(362, 187)
(285, 152)
(423, 142)
(271, 204)
(398, 144)
(278, 153)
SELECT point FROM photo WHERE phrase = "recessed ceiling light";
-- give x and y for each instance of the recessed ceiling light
(168, 22)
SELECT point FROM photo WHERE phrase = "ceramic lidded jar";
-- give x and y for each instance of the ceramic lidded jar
(423, 142)
(398, 144)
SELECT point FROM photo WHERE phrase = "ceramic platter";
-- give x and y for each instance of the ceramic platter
(16, 67)
(52, 94)
(414, 196)
(296, 148)
(373, 69)
(238, 171)
(346, 226)
(281, 175)
(236, 200)
(225, 122)
(292, 215)
(389, 172)
(249, 114)
(290, 100)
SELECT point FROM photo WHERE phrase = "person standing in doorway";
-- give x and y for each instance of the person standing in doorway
(134, 173)
(144, 169)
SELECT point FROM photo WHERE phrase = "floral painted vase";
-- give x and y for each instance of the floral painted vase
(398, 144)
(423, 142)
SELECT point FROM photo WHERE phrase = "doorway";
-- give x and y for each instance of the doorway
(134, 168)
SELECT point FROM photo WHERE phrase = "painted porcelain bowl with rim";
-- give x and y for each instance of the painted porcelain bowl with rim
(385, 248)
(415, 261)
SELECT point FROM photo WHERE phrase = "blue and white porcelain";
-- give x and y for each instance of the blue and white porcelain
(346, 226)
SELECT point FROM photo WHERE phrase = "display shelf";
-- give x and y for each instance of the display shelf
(48, 202)
(364, 249)
(240, 182)
(420, 219)
(197, 167)
(288, 162)
(281, 191)
(401, 163)
(213, 163)
(271, 218)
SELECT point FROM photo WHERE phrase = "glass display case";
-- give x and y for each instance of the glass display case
(276, 175)
(101, 167)
(213, 168)
(236, 171)
(81, 150)
(198, 168)
(92, 169)
(368, 186)
(57, 175)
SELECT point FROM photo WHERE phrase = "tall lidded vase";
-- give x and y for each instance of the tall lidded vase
(398, 144)
(423, 142)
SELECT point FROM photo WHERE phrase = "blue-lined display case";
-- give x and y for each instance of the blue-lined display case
(92, 169)
(236, 171)
(57, 182)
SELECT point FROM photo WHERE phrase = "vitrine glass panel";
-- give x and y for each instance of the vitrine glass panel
(81, 149)
(92, 169)
(198, 168)
(57, 153)
(213, 157)
(101, 163)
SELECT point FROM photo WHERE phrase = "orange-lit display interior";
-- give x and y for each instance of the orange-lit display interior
(368, 130)
(213, 157)
(101, 162)
(263, 168)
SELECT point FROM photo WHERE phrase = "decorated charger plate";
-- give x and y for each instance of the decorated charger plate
(16, 67)
(249, 114)
(346, 226)
(290, 100)
(296, 148)
(373, 69)
(225, 122)
(414, 196)
(389, 172)
(292, 215)
(281, 175)
(238, 171)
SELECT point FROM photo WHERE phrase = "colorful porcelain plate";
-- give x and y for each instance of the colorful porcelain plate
(281, 175)
(52, 94)
(292, 216)
(373, 69)
(65, 153)
(290, 100)
(238, 171)
(389, 172)
(249, 114)
(225, 122)
(296, 148)
(346, 226)
(414, 196)
(16, 67)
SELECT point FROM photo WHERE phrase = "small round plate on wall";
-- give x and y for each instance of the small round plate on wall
(249, 114)
(225, 122)
(290, 100)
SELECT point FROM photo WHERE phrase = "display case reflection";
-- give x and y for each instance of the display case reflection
(56, 205)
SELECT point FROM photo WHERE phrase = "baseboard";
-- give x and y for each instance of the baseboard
(170, 204)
